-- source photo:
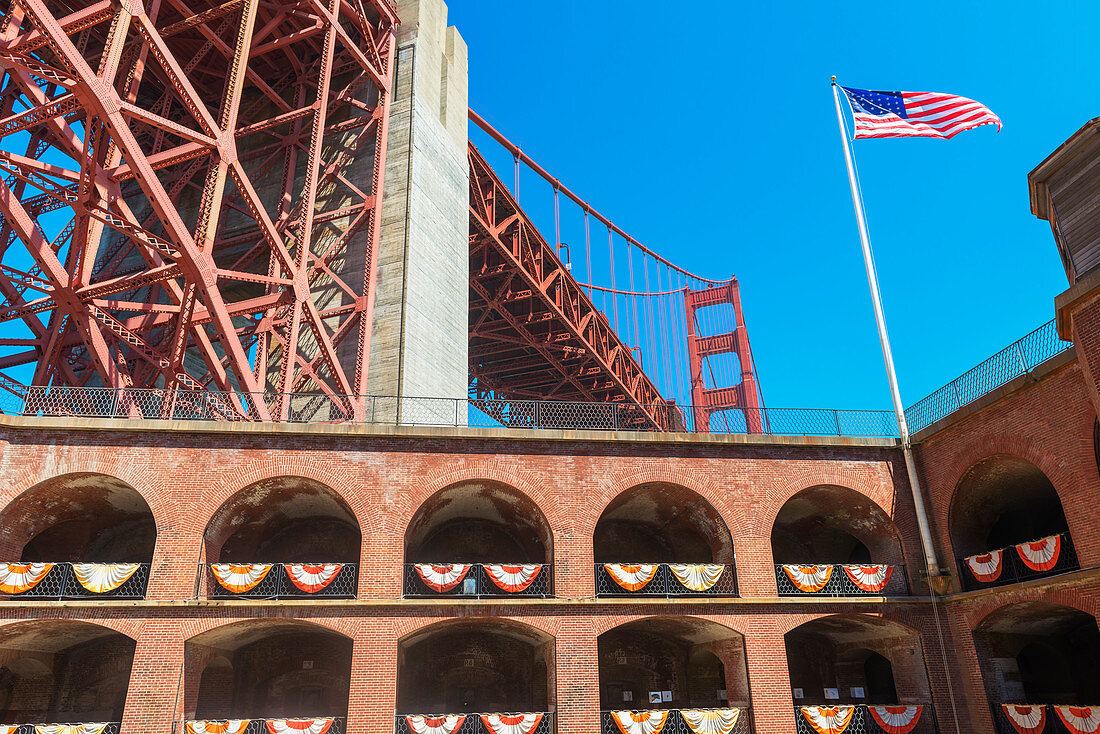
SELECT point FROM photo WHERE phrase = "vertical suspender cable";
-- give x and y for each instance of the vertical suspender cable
(588, 253)
(614, 296)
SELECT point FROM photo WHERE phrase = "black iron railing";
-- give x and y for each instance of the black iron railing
(1049, 722)
(477, 723)
(281, 581)
(338, 725)
(984, 572)
(476, 580)
(674, 722)
(840, 580)
(617, 579)
(63, 582)
(863, 720)
(109, 727)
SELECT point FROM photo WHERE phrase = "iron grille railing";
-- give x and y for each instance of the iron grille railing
(61, 583)
(473, 723)
(111, 727)
(863, 723)
(278, 584)
(675, 723)
(840, 584)
(1053, 724)
(665, 583)
(259, 726)
(1013, 569)
(1014, 360)
(477, 583)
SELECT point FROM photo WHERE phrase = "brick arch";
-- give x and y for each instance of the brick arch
(1068, 597)
(792, 622)
(196, 628)
(605, 623)
(874, 484)
(128, 628)
(406, 627)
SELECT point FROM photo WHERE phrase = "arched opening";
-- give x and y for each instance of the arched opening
(1000, 503)
(476, 666)
(657, 524)
(300, 527)
(1039, 653)
(480, 526)
(267, 669)
(856, 659)
(64, 672)
(701, 664)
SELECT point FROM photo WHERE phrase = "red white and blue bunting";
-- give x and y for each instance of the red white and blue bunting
(640, 722)
(100, 578)
(511, 723)
(828, 719)
(442, 577)
(299, 726)
(809, 579)
(631, 576)
(312, 577)
(1025, 719)
(1080, 719)
(871, 578)
(896, 719)
(512, 578)
(224, 726)
(15, 578)
(239, 578)
(711, 721)
(444, 724)
(697, 576)
(986, 567)
(1041, 555)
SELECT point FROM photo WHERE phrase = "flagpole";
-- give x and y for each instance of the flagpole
(931, 561)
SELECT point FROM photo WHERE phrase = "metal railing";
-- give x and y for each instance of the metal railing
(675, 723)
(1018, 358)
(1013, 569)
(474, 724)
(841, 584)
(110, 727)
(665, 583)
(259, 726)
(61, 583)
(476, 583)
(278, 584)
(863, 723)
(1053, 724)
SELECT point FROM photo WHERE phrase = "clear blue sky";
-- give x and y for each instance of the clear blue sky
(711, 136)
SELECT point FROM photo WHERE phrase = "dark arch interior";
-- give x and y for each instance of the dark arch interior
(284, 520)
(63, 672)
(1002, 501)
(701, 663)
(483, 666)
(268, 670)
(1035, 652)
(478, 522)
(80, 518)
(661, 523)
(830, 524)
(867, 659)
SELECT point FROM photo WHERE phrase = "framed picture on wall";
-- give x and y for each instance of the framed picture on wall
(654, 696)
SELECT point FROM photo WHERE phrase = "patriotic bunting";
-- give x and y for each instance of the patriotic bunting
(513, 578)
(232, 726)
(298, 726)
(99, 578)
(15, 578)
(809, 579)
(511, 723)
(446, 724)
(9, 728)
(986, 567)
(312, 577)
(240, 578)
(869, 578)
(631, 576)
(444, 577)
(640, 722)
(896, 719)
(1025, 719)
(711, 721)
(69, 728)
(828, 719)
(697, 576)
(1080, 719)
(1042, 555)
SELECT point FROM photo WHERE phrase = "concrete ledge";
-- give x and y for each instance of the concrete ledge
(1070, 578)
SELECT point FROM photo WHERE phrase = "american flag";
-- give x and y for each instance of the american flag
(915, 114)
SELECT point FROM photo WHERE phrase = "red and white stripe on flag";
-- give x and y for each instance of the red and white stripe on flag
(915, 114)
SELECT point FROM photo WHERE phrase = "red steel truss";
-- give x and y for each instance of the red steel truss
(534, 333)
(196, 204)
(743, 396)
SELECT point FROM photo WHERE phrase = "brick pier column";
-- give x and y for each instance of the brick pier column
(372, 693)
(155, 696)
(772, 704)
(578, 678)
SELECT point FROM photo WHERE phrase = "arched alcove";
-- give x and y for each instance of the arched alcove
(829, 524)
(702, 664)
(267, 669)
(62, 671)
(1041, 653)
(867, 659)
(79, 518)
(475, 665)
